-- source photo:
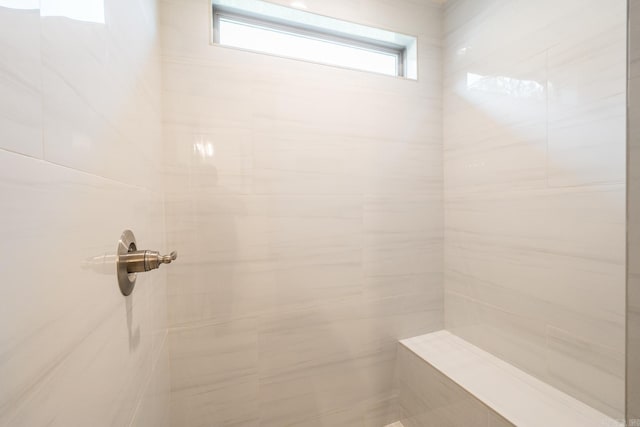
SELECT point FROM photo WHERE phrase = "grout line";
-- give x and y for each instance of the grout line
(80, 171)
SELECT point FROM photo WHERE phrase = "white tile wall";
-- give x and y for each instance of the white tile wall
(307, 201)
(534, 148)
(108, 129)
(21, 80)
(79, 107)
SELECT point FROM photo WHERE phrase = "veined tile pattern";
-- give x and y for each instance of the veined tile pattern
(428, 398)
(534, 161)
(20, 80)
(77, 97)
(448, 382)
(306, 202)
(633, 218)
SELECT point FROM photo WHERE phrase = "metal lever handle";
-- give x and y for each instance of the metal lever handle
(141, 261)
(166, 259)
(129, 261)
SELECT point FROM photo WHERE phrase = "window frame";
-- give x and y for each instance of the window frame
(311, 32)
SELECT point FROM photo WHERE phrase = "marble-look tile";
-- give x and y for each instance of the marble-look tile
(494, 385)
(111, 128)
(314, 362)
(262, 254)
(398, 242)
(513, 158)
(428, 398)
(534, 187)
(307, 198)
(332, 393)
(374, 413)
(401, 220)
(110, 355)
(231, 405)
(214, 375)
(310, 362)
(483, 233)
(586, 142)
(71, 329)
(583, 366)
(423, 16)
(353, 111)
(397, 260)
(296, 164)
(291, 341)
(155, 404)
(507, 334)
(586, 321)
(20, 78)
(502, 146)
(81, 335)
(208, 161)
(481, 267)
(587, 88)
(404, 171)
(381, 411)
(402, 284)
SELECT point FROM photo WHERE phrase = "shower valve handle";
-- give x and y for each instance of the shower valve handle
(129, 261)
(141, 261)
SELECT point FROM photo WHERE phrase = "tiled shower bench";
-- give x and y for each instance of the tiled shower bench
(445, 381)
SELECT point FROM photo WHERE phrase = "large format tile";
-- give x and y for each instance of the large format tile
(214, 377)
(534, 166)
(315, 211)
(446, 377)
(20, 78)
(307, 198)
(428, 398)
(80, 87)
(155, 404)
(587, 107)
(316, 362)
(73, 336)
(261, 254)
(110, 128)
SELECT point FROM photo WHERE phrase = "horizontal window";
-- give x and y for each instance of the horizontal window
(267, 28)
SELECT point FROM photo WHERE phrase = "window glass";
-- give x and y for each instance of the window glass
(276, 42)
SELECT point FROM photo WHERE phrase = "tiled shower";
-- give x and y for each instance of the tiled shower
(320, 214)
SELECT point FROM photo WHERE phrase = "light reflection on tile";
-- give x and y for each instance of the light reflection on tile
(20, 78)
(71, 93)
(534, 152)
(314, 212)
